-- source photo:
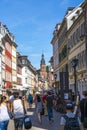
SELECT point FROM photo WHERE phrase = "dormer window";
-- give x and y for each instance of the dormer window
(23, 61)
(78, 12)
(73, 18)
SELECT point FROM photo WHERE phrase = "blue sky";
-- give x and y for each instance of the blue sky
(32, 22)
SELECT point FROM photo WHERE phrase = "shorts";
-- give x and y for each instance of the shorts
(31, 102)
(4, 125)
(18, 123)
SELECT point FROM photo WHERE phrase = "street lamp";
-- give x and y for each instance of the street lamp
(55, 77)
(74, 63)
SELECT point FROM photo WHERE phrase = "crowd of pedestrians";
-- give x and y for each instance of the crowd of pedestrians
(44, 106)
(75, 110)
(13, 107)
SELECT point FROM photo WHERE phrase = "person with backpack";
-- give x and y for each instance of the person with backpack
(83, 108)
(70, 121)
(18, 112)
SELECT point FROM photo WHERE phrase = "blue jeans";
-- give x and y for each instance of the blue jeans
(4, 125)
(50, 112)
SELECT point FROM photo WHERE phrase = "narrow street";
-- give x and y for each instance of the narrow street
(45, 122)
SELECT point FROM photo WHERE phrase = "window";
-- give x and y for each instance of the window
(25, 70)
(71, 41)
(84, 58)
(23, 61)
(76, 35)
(79, 33)
(82, 29)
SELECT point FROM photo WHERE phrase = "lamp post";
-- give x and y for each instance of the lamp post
(55, 77)
(74, 63)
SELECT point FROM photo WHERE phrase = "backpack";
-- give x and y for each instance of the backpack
(71, 123)
(85, 114)
(27, 122)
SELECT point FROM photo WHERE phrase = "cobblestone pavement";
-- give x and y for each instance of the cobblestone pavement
(45, 122)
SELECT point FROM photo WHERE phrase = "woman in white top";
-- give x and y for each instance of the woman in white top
(4, 116)
(18, 110)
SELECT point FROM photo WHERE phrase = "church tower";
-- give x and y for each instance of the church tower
(43, 73)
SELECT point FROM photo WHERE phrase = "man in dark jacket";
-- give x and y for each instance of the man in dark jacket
(50, 106)
(83, 108)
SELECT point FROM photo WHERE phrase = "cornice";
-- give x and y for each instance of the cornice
(14, 44)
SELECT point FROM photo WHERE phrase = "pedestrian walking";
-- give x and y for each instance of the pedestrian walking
(39, 108)
(18, 111)
(4, 116)
(49, 100)
(45, 103)
(83, 108)
(30, 100)
(70, 121)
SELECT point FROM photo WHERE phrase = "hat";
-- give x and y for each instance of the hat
(69, 106)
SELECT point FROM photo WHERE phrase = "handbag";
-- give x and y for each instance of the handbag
(27, 122)
(10, 114)
(42, 113)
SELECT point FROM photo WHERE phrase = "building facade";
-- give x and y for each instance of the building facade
(7, 40)
(54, 43)
(14, 65)
(72, 44)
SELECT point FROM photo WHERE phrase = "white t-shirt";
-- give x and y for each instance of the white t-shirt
(4, 116)
(18, 109)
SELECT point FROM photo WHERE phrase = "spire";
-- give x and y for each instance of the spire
(42, 60)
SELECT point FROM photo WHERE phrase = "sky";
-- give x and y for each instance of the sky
(32, 22)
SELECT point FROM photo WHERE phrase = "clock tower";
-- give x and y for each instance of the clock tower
(43, 71)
